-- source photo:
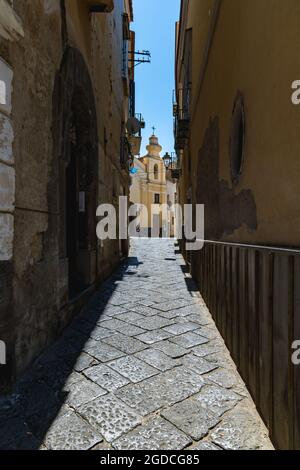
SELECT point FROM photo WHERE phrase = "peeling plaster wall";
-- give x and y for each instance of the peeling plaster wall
(225, 208)
(252, 50)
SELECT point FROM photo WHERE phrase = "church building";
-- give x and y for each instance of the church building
(152, 189)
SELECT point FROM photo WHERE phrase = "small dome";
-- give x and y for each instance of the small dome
(153, 140)
(154, 148)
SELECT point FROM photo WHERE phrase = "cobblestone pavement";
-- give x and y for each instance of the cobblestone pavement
(142, 367)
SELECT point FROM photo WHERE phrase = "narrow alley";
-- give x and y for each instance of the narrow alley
(143, 366)
(149, 227)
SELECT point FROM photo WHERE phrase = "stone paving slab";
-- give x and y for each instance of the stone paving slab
(157, 434)
(131, 330)
(112, 311)
(189, 340)
(223, 378)
(158, 359)
(180, 328)
(147, 311)
(199, 365)
(71, 432)
(153, 323)
(143, 366)
(101, 333)
(102, 351)
(84, 361)
(173, 304)
(204, 445)
(108, 378)
(208, 348)
(126, 344)
(217, 399)
(162, 390)
(131, 317)
(133, 368)
(242, 429)
(111, 416)
(192, 418)
(170, 349)
(83, 392)
(154, 336)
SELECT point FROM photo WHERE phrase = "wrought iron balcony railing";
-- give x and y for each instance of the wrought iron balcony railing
(126, 156)
(140, 118)
(174, 168)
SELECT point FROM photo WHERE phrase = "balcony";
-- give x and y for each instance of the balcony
(126, 156)
(174, 167)
(182, 117)
(181, 131)
(99, 6)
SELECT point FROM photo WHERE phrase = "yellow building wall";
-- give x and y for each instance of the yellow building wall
(254, 51)
(145, 186)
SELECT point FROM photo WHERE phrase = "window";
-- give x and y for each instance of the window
(156, 172)
(237, 139)
(156, 198)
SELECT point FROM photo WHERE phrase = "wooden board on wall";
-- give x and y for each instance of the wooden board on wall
(243, 315)
(253, 325)
(228, 292)
(222, 319)
(265, 346)
(235, 308)
(281, 352)
(296, 368)
(254, 296)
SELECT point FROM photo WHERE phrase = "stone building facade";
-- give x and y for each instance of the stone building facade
(64, 102)
(237, 139)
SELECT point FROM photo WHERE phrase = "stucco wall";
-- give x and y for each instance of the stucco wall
(253, 52)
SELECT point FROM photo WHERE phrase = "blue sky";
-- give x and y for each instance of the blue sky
(154, 24)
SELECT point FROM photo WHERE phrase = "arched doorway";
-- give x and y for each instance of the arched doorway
(76, 144)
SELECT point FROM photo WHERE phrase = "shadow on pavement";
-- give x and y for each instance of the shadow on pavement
(38, 397)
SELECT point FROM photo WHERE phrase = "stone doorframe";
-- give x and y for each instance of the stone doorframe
(75, 124)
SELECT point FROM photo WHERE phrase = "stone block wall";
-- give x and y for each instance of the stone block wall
(34, 304)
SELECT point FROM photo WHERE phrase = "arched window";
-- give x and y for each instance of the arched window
(156, 172)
